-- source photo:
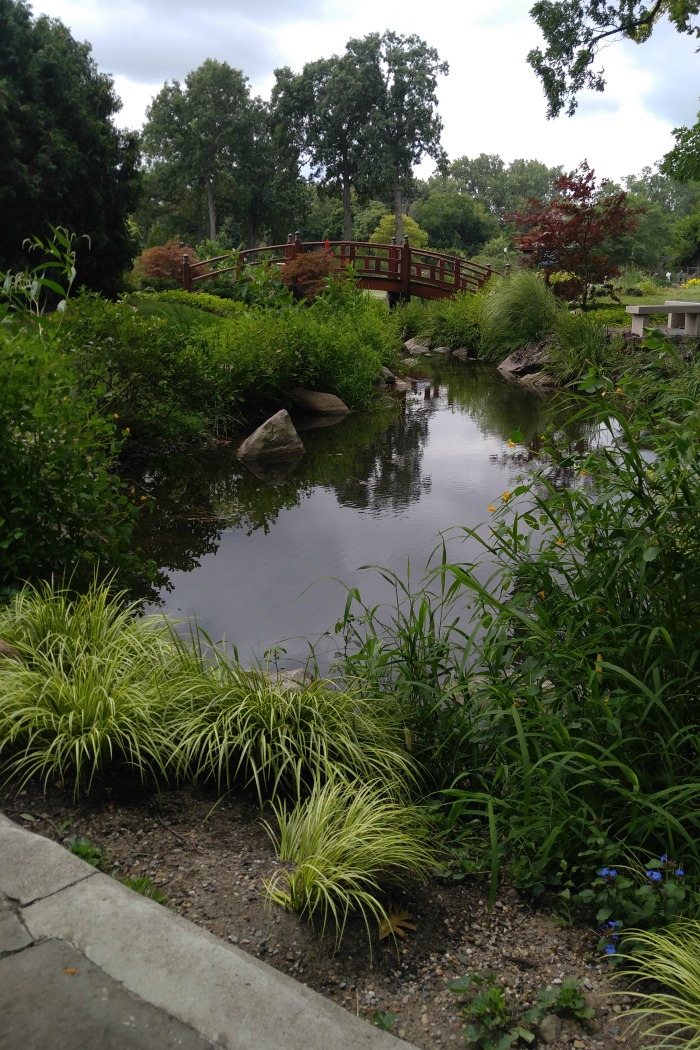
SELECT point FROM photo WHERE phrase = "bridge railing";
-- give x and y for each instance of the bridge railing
(397, 269)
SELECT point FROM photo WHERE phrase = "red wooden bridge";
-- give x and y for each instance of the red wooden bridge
(400, 270)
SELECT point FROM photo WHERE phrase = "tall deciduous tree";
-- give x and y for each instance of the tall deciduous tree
(409, 125)
(202, 130)
(499, 187)
(573, 233)
(575, 31)
(62, 160)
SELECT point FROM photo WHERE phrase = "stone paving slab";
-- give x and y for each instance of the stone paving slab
(76, 1004)
(127, 949)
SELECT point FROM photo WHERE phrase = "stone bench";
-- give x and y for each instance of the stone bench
(641, 314)
(685, 316)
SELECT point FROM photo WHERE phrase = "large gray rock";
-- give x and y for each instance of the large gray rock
(319, 403)
(524, 362)
(413, 346)
(275, 438)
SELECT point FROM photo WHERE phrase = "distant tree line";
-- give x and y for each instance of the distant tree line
(332, 154)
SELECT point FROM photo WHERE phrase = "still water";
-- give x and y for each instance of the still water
(265, 561)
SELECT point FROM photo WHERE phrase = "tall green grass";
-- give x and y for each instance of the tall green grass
(519, 309)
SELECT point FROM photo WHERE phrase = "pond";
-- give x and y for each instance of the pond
(265, 561)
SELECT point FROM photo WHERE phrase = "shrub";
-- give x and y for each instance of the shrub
(306, 274)
(164, 262)
(519, 309)
(157, 380)
(342, 846)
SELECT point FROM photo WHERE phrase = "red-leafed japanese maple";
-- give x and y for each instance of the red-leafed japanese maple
(574, 233)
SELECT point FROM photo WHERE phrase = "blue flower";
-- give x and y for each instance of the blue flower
(610, 949)
(679, 872)
(654, 876)
(664, 858)
(607, 873)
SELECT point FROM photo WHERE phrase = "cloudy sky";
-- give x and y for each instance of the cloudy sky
(490, 102)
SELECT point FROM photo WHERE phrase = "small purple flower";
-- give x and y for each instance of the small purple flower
(654, 876)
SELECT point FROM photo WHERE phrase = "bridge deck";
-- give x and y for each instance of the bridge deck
(399, 270)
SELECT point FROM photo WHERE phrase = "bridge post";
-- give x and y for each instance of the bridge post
(186, 273)
(289, 247)
(458, 276)
(297, 244)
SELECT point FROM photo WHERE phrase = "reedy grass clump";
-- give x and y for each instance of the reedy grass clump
(342, 846)
(90, 693)
(582, 344)
(668, 1017)
(518, 309)
(234, 724)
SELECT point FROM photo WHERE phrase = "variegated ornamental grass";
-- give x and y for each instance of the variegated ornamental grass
(343, 846)
(91, 690)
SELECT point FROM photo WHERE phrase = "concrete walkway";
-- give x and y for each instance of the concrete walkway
(85, 961)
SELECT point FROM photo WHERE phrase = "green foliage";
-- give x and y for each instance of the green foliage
(61, 506)
(519, 309)
(63, 160)
(89, 695)
(265, 355)
(386, 229)
(668, 1006)
(149, 373)
(647, 896)
(492, 1026)
(452, 220)
(84, 849)
(204, 301)
(143, 885)
(582, 344)
(343, 845)
(234, 724)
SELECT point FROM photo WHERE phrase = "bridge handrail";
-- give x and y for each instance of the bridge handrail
(405, 267)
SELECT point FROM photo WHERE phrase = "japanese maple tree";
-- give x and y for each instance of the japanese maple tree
(574, 232)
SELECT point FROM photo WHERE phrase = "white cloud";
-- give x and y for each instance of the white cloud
(491, 101)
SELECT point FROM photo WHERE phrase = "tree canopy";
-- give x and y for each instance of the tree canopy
(576, 30)
(63, 161)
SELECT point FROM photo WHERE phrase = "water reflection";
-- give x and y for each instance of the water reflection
(254, 557)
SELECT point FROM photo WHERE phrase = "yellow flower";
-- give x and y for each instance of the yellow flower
(583, 474)
(127, 430)
(560, 542)
(603, 393)
(492, 508)
(512, 444)
(506, 496)
(541, 594)
(618, 389)
(132, 492)
(115, 416)
(144, 498)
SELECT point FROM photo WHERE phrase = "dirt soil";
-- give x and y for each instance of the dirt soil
(209, 861)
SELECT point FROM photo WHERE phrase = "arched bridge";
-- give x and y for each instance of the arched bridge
(400, 270)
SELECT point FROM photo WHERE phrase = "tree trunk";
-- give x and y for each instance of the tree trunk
(212, 209)
(398, 209)
(347, 212)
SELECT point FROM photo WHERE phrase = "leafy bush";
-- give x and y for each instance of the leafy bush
(454, 322)
(342, 846)
(88, 697)
(164, 262)
(203, 301)
(519, 309)
(305, 275)
(158, 381)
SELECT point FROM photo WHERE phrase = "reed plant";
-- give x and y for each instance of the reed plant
(341, 847)
(519, 309)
